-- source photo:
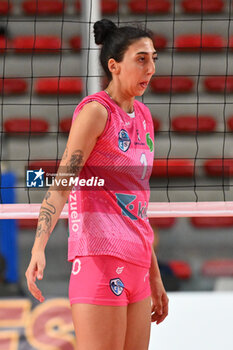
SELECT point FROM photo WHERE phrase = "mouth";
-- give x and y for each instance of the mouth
(144, 84)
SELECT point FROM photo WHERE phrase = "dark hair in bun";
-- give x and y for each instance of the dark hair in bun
(115, 41)
(102, 29)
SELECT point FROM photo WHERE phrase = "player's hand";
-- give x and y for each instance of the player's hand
(35, 271)
(159, 307)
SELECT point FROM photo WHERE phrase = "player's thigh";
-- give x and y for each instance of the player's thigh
(99, 327)
(138, 325)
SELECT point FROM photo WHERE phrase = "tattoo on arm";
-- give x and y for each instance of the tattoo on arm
(74, 166)
(45, 217)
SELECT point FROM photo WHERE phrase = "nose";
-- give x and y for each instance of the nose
(151, 67)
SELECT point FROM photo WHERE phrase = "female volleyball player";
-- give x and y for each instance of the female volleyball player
(115, 286)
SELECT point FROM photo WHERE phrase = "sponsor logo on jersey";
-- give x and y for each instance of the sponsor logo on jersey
(138, 142)
(125, 202)
(117, 286)
(123, 140)
(126, 199)
(119, 270)
(149, 142)
(142, 210)
(76, 267)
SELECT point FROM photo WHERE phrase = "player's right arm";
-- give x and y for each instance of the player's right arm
(84, 133)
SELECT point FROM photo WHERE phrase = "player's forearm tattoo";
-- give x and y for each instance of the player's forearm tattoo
(74, 165)
(45, 217)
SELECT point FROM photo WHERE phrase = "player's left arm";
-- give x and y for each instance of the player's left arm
(159, 309)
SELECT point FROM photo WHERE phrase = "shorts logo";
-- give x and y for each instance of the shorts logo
(123, 140)
(119, 270)
(76, 266)
(117, 286)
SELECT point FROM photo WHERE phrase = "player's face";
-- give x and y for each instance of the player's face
(138, 66)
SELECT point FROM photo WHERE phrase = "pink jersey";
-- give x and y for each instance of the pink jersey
(111, 219)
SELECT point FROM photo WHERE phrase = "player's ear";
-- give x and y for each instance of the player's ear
(113, 66)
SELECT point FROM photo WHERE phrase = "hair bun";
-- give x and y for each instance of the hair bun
(102, 29)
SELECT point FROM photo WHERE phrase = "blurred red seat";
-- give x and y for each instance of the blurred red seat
(10, 86)
(78, 5)
(195, 42)
(181, 269)
(38, 44)
(48, 166)
(65, 124)
(149, 6)
(25, 125)
(76, 43)
(108, 7)
(160, 42)
(5, 7)
(212, 222)
(63, 85)
(202, 6)
(162, 222)
(231, 42)
(43, 7)
(230, 123)
(27, 223)
(219, 84)
(192, 123)
(219, 167)
(175, 84)
(173, 168)
(218, 267)
(156, 123)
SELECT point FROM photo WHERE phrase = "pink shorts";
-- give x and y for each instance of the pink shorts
(107, 280)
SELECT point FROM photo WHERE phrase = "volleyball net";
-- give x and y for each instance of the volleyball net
(48, 63)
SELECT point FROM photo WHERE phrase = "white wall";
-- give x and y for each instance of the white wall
(196, 321)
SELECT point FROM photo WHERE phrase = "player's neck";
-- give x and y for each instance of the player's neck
(122, 99)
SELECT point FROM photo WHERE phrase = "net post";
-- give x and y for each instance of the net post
(90, 54)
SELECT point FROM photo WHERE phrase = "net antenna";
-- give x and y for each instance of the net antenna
(90, 60)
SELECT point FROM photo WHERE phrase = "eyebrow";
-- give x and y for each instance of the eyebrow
(146, 53)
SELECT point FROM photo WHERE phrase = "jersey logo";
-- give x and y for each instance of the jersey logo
(139, 138)
(123, 200)
(117, 286)
(149, 142)
(123, 140)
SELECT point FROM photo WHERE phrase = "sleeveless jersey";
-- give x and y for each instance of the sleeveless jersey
(112, 219)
